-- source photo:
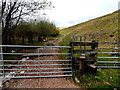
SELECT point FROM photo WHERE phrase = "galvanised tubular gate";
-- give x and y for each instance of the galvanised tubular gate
(89, 59)
(23, 68)
(113, 56)
(43, 68)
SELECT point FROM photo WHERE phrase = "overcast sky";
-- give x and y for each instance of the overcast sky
(70, 12)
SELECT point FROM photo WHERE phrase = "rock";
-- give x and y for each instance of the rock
(111, 77)
(76, 79)
(22, 72)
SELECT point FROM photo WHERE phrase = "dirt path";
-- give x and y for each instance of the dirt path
(43, 82)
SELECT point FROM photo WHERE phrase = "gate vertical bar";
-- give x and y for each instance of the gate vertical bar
(2, 66)
(0, 50)
(71, 57)
(39, 59)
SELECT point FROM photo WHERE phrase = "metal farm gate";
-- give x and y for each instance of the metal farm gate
(108, 57)
(18, 61)
(34, 61)
(94, 55)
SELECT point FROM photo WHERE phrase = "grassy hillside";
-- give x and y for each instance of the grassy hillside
(104, 28)
(60, 28)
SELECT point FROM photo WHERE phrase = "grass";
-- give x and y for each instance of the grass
(104, 79)
(66, 41)
(100, 29)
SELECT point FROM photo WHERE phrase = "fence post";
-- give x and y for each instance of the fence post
(80, 41)
(1, 67)
(92, 66)
(95, 44)
(84, 41)
(82, 64)
(74, 37)
(1, 56)
(71, 57)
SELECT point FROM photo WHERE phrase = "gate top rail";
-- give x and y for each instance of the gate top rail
(22, 46)
(109, 42)
(32, 54)
(109, 48)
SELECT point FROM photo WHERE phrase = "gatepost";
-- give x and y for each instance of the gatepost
(0, 54)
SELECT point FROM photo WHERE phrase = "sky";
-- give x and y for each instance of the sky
(70, 12)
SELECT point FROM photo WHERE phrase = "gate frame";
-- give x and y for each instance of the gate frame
(2, 78)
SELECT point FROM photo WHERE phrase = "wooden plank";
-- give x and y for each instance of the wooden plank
(91, 58)
(92, 66)
(78, 58)
(81, 67)
(84, 58)
(85, 43)
(84, 51)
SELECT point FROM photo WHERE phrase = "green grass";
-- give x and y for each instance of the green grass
(66, 41)
(104, 79)
(98, 29)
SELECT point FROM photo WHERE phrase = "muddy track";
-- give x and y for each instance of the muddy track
(43, 82)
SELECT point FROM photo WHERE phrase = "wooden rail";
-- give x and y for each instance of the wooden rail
(87, 58)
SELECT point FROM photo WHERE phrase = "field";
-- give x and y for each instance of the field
(105, 28)
(101, 29)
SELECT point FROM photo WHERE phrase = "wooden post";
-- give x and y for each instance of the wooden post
(81, 67)
(82, 63)
(91, 66)
(94, 45)
(87, 59)
(84, 41)
(80, 41)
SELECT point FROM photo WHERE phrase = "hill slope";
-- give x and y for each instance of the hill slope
(104, 28)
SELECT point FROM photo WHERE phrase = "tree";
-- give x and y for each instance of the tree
(45, 29)
(14, 10)
(21, 31)
(32, 32)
